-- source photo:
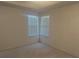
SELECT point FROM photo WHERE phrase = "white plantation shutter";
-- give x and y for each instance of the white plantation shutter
(33, 26)
(44, 25)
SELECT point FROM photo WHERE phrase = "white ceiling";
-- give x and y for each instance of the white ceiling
(34, 4)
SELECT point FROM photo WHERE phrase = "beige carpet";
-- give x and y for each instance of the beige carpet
(37, 50)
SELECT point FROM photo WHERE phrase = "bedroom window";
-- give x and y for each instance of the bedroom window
(38, 26)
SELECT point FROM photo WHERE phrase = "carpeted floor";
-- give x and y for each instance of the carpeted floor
(37, 50)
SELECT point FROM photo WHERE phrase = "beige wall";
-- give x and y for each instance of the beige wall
(13, 30)
(64, 29)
